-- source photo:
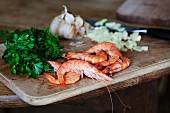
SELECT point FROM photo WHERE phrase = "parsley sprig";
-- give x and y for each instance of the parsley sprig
(27, 50)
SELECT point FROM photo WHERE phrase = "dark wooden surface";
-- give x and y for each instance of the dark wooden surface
(39, 14)
(132, 100)
(146, 13)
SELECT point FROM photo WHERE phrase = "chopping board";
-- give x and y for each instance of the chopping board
(40, 92)
(145, 13)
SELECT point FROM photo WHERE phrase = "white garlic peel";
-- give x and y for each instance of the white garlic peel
(68, 26)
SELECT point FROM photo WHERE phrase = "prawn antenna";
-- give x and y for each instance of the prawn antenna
(124, 105)
(111, 100)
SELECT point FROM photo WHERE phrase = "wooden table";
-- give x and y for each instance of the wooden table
(139, 92)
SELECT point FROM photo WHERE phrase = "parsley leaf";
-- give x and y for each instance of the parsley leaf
(27, 50)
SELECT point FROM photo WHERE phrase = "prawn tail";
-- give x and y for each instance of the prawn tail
(104, 77)
(51, 78)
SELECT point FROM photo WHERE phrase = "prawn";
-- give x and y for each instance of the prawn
(119, 65)
(80, 67)
(106, 46)
(70, 77)
(114, 56)
(109, 48)
(94, 59)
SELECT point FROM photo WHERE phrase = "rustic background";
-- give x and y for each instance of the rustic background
(38, 13)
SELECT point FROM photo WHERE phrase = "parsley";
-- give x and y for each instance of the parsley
(27, 50)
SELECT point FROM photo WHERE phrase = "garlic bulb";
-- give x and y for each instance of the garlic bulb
(68, 26)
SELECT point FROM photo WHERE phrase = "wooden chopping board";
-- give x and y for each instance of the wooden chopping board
(40, 92)
(145, 13)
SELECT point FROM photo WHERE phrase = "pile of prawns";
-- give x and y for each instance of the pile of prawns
(96, 62)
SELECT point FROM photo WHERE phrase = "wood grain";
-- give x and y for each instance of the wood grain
(40, 92)
(145, 13)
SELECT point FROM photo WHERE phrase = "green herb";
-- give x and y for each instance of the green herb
(27, 50)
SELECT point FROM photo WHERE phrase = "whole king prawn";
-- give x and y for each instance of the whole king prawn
(105, 55)
(80, 67)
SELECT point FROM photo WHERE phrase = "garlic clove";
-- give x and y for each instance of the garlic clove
(81, 31)
(54, 24)
(69, 18)
(79, 22)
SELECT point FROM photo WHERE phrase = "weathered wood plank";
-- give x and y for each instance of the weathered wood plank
(150, 13)
(40, 92)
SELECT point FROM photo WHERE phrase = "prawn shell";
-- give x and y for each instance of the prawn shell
(80, 67)
(120, 65)
(70, 78)
(94, 59)
(105, 46)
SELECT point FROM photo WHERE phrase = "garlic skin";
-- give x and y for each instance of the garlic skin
(68, 26)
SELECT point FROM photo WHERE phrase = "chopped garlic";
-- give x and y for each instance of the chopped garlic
(101, 22)
(115, 26)
(137, 48)
(135, 37)
(145, 48)
(120, 39)
(110, 25)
